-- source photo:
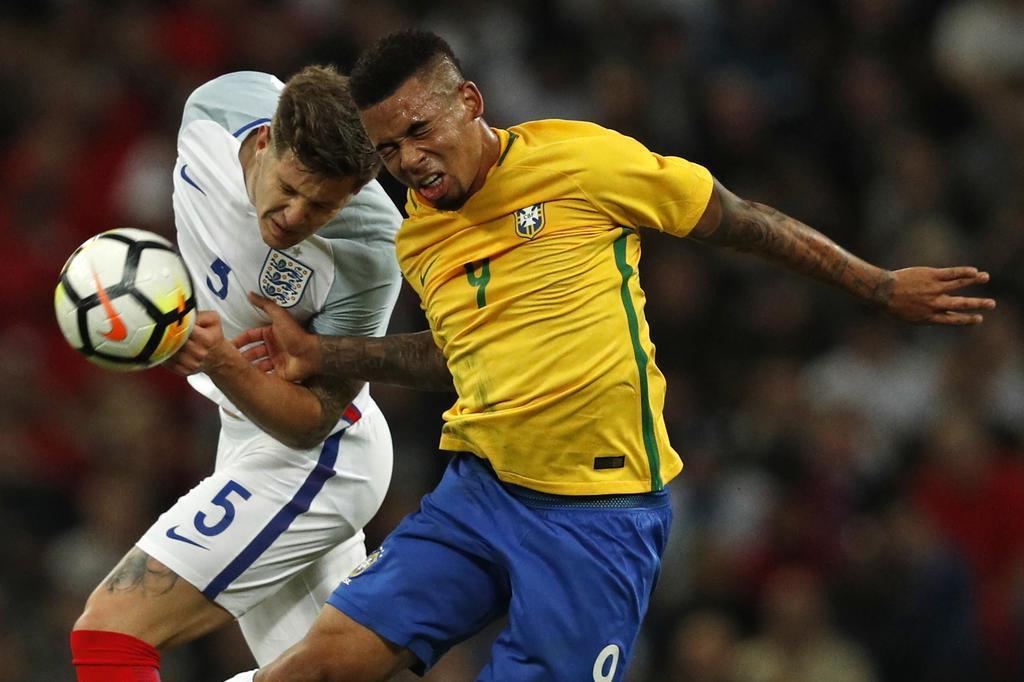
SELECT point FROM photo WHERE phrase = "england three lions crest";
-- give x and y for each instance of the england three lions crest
(530, 221)
(284, 279)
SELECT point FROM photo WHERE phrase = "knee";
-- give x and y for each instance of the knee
(97, 614)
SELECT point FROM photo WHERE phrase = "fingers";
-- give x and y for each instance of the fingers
(255, 352)
(258, 355)
(961, 310)
(950, 317)
(192, 354)
(967, 273)
(207, 333)
(207, 318)
(177, 367)
(955, 284)
(952, 279)
(250, 336)
(966, 303)
(184, 362)
(271, 309)
(264, 365)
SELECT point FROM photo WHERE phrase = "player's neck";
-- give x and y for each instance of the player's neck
(491, 145)
(491, 150)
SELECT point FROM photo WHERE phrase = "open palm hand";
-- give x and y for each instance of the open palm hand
(283, 346)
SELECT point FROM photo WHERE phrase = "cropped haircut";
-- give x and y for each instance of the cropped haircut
(317, 120)
(393, 59)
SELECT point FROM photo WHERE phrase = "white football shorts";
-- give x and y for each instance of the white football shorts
(272, 531)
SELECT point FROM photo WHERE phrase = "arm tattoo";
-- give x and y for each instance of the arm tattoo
(756, 228)
(140, 571)
(409, 360)
(334, 394)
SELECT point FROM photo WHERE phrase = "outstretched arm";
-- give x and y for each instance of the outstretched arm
(407, 360)
(300, 416)
(917, 294)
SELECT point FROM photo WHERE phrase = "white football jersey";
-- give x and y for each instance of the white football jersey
(343, 280)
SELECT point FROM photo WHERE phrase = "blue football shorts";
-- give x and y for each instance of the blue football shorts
(574, 574)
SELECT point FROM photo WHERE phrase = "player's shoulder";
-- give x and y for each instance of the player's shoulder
(361, 241)
(236, 81)
(559, 141)
(370, 216)
(237, 101)
(538, 135)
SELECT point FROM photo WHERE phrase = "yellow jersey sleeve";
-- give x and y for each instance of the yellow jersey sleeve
(638, 188)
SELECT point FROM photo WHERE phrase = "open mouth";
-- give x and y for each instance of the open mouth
(432, 186)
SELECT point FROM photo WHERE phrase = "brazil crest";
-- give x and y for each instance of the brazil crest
(530, 221)
(283, 279)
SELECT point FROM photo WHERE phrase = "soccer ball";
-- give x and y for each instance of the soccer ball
(125, 299)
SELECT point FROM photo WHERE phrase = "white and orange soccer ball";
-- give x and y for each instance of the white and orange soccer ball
(125, 299)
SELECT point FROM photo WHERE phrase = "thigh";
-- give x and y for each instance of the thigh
(283, 618)
(427, 587)
(581, 584)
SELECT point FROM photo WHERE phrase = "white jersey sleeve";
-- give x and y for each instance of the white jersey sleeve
(366, 278)
(237, 102)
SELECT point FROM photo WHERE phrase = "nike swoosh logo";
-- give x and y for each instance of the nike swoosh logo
(186, 178)
(118, 331)
(423, 277)
(173, 534)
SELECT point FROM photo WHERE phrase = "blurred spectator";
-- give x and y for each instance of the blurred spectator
(973, 493)
(797, 643)
(893, 384)
(907, 596)
(702, 648)
(977, 42)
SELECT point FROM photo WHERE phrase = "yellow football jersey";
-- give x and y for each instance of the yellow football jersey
(531, 291)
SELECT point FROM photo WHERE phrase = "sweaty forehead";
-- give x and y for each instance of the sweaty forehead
(312, 185)
(291, 171)
(418, 99)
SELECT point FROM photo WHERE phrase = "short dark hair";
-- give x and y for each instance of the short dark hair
(392, 60)
(317, 120)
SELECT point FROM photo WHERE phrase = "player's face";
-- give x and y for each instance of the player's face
(293, 203)
(431, 139)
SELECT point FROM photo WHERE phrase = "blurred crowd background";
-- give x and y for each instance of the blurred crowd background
(852, 508)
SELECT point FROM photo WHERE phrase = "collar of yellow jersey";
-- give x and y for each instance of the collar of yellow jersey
(506, 139)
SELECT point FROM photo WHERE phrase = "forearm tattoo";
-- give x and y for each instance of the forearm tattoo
(763, 230)
(409, 360)
(139, 571)
(334, 394)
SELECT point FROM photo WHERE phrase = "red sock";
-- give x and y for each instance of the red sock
(101, 656)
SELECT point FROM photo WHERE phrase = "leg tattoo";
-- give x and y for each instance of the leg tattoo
(138, 570)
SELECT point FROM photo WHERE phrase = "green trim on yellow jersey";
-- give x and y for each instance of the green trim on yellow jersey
(512, 137)
(646, 415)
